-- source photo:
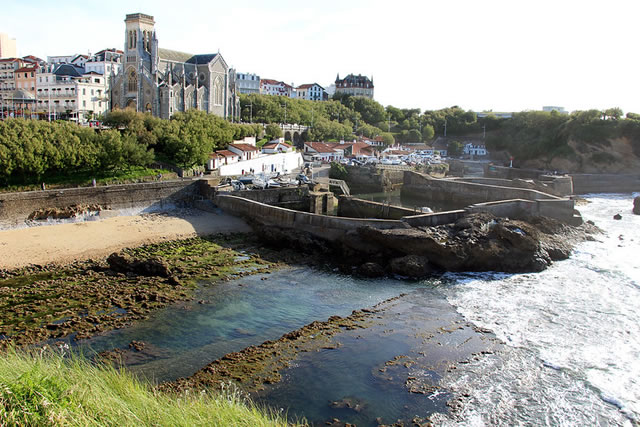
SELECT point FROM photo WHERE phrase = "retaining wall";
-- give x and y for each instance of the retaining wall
(452, 190)
(370, 179)
(358, 208)
(556, 185)
(605, 183)
(289, 197)
(16, 207)
(326, 227)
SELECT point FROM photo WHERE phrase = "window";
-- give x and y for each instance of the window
(84, 103)
(91, 92)
(84, 91)
(133, 81)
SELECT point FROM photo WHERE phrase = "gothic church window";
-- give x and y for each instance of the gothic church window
(133, 81)
(217, 91)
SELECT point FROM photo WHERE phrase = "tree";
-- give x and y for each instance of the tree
(388, 138)
(613, 113)
(273, 131)
(427, 133)
(454, 148)
(414, 135)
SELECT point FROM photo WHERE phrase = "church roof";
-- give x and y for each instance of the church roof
(174, 55)
(202, 59)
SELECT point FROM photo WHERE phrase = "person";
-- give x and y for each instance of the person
(93, 182)
(43, 187)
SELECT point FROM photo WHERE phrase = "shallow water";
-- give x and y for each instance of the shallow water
(571, 353)
(229, 316)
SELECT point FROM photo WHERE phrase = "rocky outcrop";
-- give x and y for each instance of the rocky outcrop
(67, 212)
(476, 242)
(123, 263)
(636, 205)
(413, 266)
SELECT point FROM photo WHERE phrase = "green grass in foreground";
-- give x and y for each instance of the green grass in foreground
(45, 389)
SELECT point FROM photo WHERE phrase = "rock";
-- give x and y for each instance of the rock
(136, 345)
(636, 205)
(371, 269)
(124, 263)
(411, 266)
(617, 217)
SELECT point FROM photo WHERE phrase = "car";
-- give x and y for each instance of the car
(303, 179)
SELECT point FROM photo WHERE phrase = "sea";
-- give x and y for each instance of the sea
(559, 347)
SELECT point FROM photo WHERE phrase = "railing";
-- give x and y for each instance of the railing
(340, 183)
(395, 167)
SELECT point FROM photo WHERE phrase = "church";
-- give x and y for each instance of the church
(163, 82)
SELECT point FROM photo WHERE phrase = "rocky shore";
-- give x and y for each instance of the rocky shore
(476, 242)
(86, 298)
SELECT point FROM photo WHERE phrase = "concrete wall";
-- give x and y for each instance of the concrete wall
(326, 227)
(370, 179)
(358, 208)
(16, 207)
(605, 183)
(432, 189)
(290, 197)
(556, 185)
(560, 209)
(433, 219)
(493, 171)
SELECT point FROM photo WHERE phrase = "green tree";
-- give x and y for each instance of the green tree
(273, 131)
(427, 133)
(388, 138)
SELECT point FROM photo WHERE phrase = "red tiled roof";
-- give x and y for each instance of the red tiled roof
(244, 147)
(322, 147)
(25, 69)
(226, 153)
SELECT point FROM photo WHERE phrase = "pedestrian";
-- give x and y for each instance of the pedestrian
(93, 182)
(43, 187)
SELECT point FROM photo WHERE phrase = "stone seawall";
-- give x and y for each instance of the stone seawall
(428, 189)
(16, 207)
(363, 179)
(556, 185)
(358, 208)
(296, 198)
(323, 226)
(605, 183)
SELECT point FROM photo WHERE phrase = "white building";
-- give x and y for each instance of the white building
(311, 92)
(274, 147)
(105, 62)
(323, 152)
(276, 88)
(69, 92)
(245, 151)
(475, 149)
(248, 83)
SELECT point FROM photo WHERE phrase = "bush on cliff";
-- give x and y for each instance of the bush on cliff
(47, 389)
(338, 171)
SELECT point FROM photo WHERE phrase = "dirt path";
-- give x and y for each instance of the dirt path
(65, 243)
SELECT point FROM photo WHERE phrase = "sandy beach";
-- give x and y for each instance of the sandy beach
(64, 243)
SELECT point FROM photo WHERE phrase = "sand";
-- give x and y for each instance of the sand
(65, 243)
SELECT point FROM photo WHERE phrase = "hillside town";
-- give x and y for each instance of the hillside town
(147, 78)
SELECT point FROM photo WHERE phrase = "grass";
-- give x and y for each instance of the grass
(43, 388)
(84, 179)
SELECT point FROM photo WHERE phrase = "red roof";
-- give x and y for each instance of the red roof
(25, 69)
(322, 147)
(226, 153)
(244, 147)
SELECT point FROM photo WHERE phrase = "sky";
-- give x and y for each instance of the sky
(495, 55)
